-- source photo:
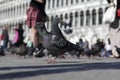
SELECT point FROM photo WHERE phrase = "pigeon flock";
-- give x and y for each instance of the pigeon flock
(54, 43)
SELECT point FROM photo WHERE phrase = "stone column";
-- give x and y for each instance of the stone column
(60, 3)
(90, 18)
(64, 2)
(51, 4)
(21, 9)
(56, 3)
(68, 2)
(46, 4)
(97, 17)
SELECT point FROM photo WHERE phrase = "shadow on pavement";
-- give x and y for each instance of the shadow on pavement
(55, 69)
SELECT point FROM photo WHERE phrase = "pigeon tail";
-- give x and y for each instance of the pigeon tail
(115, 46)
(117, 49)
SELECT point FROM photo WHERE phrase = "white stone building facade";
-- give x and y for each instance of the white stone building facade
(86, 16)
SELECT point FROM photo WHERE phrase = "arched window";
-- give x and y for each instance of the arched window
(71, 19)
(66, 16)
(76, 18)
(66, 2)
(11, 11)
(93, 17)
(14, 11)
(100, 15)
(7, 12)
(71, 1)
(17, 9)
(77, 1)
(48, 23)
(71, 15)
(82, 0)
(27, 5)
(58, 3)
(61, 17)
(56, 16)
(81, 18)
(2, 13)
(20, 9)
(52, 18)
(87, 18)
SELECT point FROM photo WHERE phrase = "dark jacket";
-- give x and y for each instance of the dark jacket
(5, 34)
(20, 33)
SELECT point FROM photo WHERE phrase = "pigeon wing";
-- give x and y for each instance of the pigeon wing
(59, 42)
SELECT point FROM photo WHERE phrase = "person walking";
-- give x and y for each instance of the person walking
(36, 13)
(114, 29)
(6, 36)
(20, 33)
(108, 50)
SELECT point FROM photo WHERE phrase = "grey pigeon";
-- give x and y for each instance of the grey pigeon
(118, 50)
(21, 50)
(2, 52)
(54, 43)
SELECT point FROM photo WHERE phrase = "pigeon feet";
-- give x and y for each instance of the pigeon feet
(51, 61)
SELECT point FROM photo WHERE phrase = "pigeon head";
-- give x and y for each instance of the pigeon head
(57, 20)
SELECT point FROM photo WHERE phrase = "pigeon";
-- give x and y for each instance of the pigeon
(21, 50)
(2, 52)
(54, 43)
(55, 29)
(118, 51)
(94, 51)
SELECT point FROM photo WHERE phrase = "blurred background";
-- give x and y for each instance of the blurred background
(84, 17)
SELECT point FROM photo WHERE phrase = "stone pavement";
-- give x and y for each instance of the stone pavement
(16, 68)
